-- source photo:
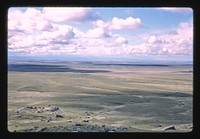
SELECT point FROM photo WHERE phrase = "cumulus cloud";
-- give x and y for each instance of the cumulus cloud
(70, 14)
(102, 24)
(98, 33)
(35, 32)
(59, 35)
(31, 33)
(128, 23)
(156, 40)
(121, 40)
(118, 24)
(60, 32)
(38, 32)
(116, 43)
(27, 22)
(180, 43)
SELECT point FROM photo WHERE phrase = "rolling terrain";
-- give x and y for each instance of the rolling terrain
(99, 97)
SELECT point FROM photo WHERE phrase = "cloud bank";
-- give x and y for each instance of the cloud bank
(118, 24)
(59, 31)
(69, 14)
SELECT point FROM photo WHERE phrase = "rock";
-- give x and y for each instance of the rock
(28, 107)
(59, 116)
(125, 128)
(69, 121)
(111, 131)
(158, 125)
(18, 116)
(39, 111)
(48, 120)
(40, 129)
(171, 127)
(89, 113)
(78, 124)
(190, 126)
(86, 120)
(106, 129)
(77, 128)
(114, 129)
(53, 109)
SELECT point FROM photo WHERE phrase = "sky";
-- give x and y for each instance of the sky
(104, 33)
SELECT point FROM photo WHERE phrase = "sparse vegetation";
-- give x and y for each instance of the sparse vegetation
(135, 98)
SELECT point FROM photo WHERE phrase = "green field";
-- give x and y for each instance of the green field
(139, 98)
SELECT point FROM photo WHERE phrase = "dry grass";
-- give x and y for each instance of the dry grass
(140, 98)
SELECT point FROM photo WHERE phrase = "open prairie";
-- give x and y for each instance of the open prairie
(99, 96)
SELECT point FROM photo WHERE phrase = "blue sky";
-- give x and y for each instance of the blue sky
(131, 33)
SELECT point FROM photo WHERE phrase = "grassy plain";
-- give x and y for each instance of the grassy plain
(139, 97)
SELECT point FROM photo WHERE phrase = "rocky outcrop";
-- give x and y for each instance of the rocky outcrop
(77, 128)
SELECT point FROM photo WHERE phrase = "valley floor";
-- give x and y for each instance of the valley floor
(96, 97)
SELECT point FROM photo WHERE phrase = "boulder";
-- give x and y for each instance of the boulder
(52, 109)
(86, 120)
(59, 116)
(40, 129)
(171, 127)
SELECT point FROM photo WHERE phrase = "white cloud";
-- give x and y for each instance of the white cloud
(128, 23)
(69, 14)
(118, 42)
(60, 32)
(32, 13)
(156, 40)
(59, 35)
(102, 24)
(32, 34)
(180, 43)
(98, 33)
(27, 22)
(151, 39)
(118, 24)
(121, 40)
